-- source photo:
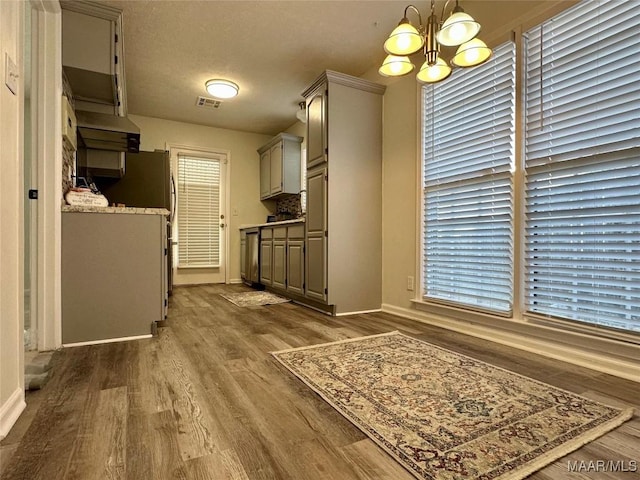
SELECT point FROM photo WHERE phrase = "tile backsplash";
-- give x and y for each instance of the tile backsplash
(68, 154)
(289, 205)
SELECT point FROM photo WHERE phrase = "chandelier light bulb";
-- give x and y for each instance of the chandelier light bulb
(459, 28)
(472, 53)
(434, 73)
(395, 66)
(404, 40)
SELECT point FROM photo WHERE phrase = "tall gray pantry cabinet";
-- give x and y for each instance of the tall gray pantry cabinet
(343, 261)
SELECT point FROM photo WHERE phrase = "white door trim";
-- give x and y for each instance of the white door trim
(174, 150)
(47, 76)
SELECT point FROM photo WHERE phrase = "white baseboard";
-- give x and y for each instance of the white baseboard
(556, 344)
(10, 411)
(235, 280)
(376, 310)
(108, 340)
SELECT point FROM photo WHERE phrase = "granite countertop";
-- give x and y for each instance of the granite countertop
(128, 210)
(273, 224)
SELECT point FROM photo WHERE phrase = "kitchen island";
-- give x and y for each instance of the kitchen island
(114, 273)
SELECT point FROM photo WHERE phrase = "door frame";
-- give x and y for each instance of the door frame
(174, 150)
(47, 150)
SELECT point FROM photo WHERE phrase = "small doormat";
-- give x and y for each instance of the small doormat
(254, 299)
(447, 416)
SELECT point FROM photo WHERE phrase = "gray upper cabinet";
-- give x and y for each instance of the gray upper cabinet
(92, 56)
(265, 174)
(280, 166)
(316, 128)
(343, 258)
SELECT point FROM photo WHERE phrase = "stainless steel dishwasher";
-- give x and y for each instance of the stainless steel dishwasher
(251, 256)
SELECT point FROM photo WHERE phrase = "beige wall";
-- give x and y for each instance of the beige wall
(243, 168)
(299, 129)
(399, 191)
(11, 222)
(399, 187)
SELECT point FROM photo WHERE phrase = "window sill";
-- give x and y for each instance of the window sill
(612, 356)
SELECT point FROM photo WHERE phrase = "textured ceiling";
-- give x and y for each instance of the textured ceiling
(272, 49)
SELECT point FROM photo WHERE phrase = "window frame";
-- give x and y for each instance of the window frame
(542, 328)
(451, 307)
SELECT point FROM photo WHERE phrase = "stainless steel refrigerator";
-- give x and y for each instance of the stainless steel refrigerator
(146, 183)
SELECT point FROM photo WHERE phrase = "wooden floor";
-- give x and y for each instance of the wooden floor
(205, 400)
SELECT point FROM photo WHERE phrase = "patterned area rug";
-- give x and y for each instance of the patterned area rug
(254, 299)
(447, 416)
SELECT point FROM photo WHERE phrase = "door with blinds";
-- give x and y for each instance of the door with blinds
(200, 221)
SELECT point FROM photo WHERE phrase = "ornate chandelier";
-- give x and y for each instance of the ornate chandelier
(459, 30)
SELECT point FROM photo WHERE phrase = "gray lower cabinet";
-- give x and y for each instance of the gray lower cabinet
(279, 260)
(114, 275)
(316, 272)
(316, 224)
(282, 251)
(279, 264)
(266, 256)
(295, 266)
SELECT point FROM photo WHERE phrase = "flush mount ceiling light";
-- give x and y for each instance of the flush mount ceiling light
(458, 30)
(222, 88)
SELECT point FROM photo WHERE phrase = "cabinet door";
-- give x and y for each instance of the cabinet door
(316, 229)
(279, 264)
(265, 174)
(316, 269)
(295, 266)
(317, 128)
(266, 257)
(275, 183)
(316, 222)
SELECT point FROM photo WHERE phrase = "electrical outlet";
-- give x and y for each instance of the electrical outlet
(410, 283)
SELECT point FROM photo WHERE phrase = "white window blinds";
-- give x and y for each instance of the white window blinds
(468, 184)
(582, 133)
(198, 212)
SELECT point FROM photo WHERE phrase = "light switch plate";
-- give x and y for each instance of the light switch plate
(10, 74)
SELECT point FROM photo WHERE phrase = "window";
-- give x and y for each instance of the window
(582, 160)
(199, 212)
(468, 186)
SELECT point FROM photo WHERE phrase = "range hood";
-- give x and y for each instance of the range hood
(102, 131)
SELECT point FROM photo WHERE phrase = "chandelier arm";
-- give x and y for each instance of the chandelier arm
(415, 9)
(444, 8)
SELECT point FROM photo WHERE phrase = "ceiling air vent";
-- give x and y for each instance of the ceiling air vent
(208, 102)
